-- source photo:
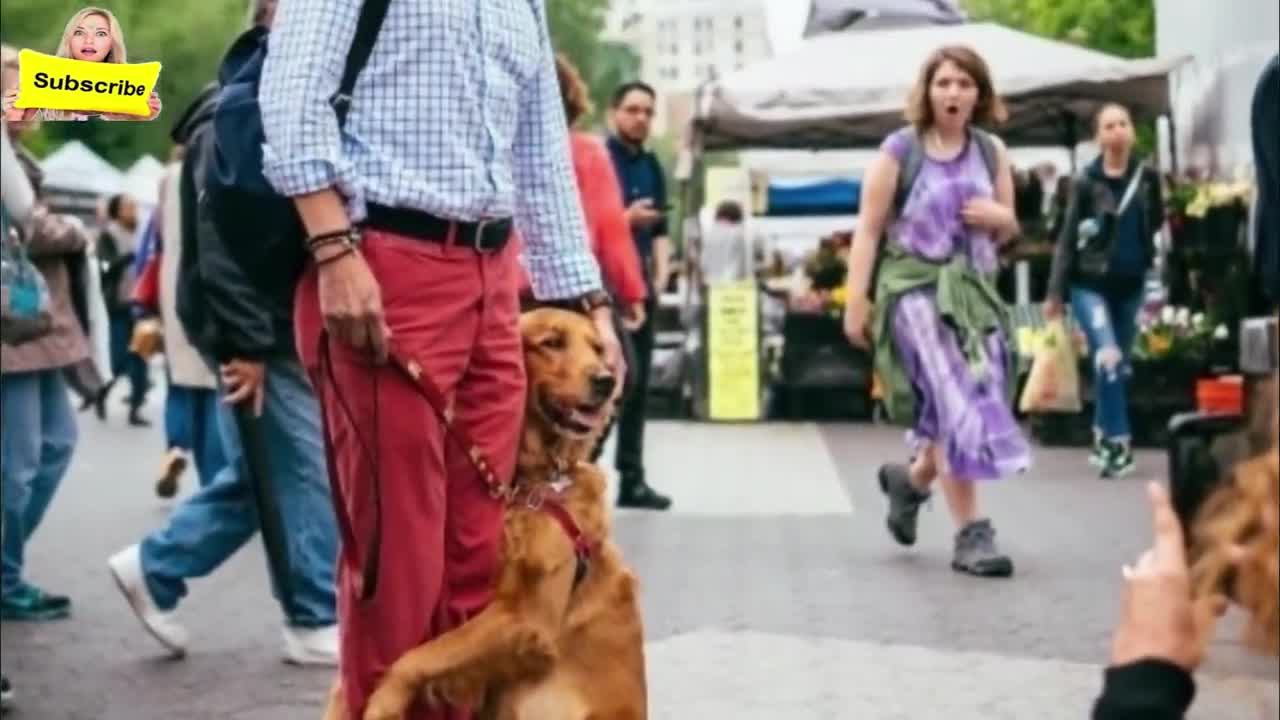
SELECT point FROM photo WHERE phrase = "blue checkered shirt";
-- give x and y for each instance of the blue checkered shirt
(458, 114)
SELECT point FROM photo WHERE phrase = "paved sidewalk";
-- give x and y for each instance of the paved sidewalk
(771, 591)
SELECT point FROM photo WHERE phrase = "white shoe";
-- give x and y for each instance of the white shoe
(309, 647)
(126, 569)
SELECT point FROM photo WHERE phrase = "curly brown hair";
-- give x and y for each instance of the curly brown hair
(573, 90)
(990, 109)
(1236, 543)
(1242, 514)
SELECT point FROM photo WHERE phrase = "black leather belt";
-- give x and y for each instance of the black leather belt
(483, 236)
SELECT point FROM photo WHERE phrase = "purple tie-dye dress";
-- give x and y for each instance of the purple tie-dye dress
(967, 417)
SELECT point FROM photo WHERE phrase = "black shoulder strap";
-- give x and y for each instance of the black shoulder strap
(908, 169)
(372, 13)
(990, 156)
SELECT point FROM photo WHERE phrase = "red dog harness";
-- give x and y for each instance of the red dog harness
(542, 497)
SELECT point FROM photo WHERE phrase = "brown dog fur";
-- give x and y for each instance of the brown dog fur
(543, 649)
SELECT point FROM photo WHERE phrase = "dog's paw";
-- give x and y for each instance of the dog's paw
(390, 701)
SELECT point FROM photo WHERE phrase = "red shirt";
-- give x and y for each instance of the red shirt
(606, 219)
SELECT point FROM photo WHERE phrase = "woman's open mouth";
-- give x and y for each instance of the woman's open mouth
(88, 52)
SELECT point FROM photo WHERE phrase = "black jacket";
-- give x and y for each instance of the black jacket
(1266, 152)
(1147, 690)
(1090, 196)
(223, 313)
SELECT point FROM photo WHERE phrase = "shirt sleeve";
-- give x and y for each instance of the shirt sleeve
(307, 51)
(15, 188)
(616, 250)
(548, 209)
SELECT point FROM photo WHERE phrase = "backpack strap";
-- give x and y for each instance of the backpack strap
(908, 169)
(990, 152)
(372, 13)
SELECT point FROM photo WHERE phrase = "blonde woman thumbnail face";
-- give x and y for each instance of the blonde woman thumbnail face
(91, 39)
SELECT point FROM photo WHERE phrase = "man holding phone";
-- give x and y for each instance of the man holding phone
(644, 193)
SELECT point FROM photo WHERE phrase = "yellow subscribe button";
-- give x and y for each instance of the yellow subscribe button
(54, 83)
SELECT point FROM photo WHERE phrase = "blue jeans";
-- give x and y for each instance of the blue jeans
(191, 423)
(210, 526)
(38, 435)
(126, 362)
(1110, 322)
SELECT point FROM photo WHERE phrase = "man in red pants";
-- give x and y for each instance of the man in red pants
(456, 131)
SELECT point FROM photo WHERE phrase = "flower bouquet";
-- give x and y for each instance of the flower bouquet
(1176, 335)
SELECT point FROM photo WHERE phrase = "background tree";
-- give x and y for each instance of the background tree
(1119, 27)
(188, 39)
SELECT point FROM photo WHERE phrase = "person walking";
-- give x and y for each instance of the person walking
(943, 190)
(1106, 247)
(191, 396)
(461, 135)
(39, 432)
(270, 425)
(117, 246)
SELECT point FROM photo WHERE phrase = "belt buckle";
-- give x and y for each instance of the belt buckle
(477, 240)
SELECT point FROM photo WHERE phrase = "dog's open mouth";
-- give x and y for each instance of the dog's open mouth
(578, 420)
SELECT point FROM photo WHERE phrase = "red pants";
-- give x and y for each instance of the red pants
(456, 313)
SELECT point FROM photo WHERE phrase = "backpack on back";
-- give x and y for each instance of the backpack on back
(258, 223)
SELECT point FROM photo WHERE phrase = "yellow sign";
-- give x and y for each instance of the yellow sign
(54, 83)
(733, 352)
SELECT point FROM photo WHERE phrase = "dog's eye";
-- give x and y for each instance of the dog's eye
(597, 348)
(553, 342)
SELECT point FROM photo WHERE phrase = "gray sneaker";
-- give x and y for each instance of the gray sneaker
(904, 502)
(976, 552)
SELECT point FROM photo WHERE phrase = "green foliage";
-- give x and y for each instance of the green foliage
(1120, 27)
(188, 43)
(576, 26)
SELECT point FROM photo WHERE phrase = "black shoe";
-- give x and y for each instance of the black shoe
(1118, 461)
(904, 502)
(642, 497)
(136, 419)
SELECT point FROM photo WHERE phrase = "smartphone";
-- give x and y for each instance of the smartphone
(1194, 471)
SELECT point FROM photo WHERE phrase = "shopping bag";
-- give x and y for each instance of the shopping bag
(25, 310)
(1053, 385)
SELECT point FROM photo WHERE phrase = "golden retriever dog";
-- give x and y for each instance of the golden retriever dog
(562, 638)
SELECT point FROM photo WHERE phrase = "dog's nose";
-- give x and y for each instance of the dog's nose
(602, 386)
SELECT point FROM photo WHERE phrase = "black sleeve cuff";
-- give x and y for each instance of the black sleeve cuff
(1145, 690)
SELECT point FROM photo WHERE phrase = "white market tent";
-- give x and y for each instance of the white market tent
(848, 90)
(142, 180)
(74, 168)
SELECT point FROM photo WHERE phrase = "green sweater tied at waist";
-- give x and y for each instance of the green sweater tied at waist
(968, 302)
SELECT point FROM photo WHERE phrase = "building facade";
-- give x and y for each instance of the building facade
(684, 43)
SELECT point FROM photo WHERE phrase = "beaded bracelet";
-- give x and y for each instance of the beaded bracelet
(348, 250)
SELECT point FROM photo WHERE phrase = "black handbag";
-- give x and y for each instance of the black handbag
(1096, 235)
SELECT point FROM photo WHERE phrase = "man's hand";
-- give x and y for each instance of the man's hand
(634, 317)
(642, 214)
(245, 380)
(1158, 620)
(351, 304)
(603, 319)
(13, 114)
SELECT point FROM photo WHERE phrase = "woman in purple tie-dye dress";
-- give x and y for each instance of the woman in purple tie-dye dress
(964, 430)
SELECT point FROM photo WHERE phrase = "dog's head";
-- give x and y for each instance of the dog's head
(570, 385)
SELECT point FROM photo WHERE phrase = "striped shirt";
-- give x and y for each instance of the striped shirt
(457, 113)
